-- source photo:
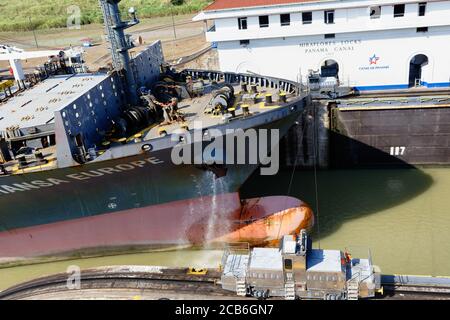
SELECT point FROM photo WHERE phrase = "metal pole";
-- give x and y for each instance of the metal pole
(173, 23)
(119, 44)
(34, 33)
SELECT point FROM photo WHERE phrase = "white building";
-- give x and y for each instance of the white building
(368, 44)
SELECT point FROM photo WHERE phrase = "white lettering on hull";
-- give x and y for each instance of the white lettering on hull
(81, 176)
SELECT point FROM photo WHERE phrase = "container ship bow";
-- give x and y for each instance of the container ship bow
(87, 159)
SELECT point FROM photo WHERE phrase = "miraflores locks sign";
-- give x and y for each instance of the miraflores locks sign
(374, 62)
(331, 46)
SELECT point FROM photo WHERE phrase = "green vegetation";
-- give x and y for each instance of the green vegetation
(46, 14)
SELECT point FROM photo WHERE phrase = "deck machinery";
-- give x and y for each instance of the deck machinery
(296, 271)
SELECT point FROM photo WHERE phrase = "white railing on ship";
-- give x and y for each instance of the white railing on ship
(263, 81)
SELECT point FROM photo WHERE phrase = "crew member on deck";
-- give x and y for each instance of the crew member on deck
(190, 86)
(172, 107)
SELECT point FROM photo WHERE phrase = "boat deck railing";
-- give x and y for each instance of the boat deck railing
(287, 86)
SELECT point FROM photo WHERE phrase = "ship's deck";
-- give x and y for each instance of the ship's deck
(199, 110)
(196, 111)
(34, 165)
(35, 107)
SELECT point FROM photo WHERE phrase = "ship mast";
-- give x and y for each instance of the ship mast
(120, 43)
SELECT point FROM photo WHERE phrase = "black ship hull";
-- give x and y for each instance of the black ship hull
(37, 209)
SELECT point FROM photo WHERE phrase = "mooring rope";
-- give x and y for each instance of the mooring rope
(292, 175)
(315, 141)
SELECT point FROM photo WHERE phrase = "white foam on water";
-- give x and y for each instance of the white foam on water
(216, 217)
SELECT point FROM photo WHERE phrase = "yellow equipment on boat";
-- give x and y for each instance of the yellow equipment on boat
(195, 271)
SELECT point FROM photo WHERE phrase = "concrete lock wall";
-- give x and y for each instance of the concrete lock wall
(307, 144)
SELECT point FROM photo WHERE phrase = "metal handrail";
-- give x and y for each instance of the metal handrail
(357, 274)
(232, 77)
(243, 247)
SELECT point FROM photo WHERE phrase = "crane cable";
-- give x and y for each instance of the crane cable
(316, 189)
(293, 173)
(316, 192)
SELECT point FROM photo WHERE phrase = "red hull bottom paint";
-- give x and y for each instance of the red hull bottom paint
(223, 218)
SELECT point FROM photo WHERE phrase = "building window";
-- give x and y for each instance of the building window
(307, 17)
(285, 19)
(330, 36)
(375, 12)
(422, 8)
(329, 16)
(242, 23)
(263, 21)
(244, 42)
(399, 10)
(422, 29)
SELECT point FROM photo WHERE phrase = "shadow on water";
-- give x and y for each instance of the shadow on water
(361, 181)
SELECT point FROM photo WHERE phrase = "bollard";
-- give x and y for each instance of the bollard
(245, 109)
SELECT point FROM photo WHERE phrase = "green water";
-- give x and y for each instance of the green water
(402, 215)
